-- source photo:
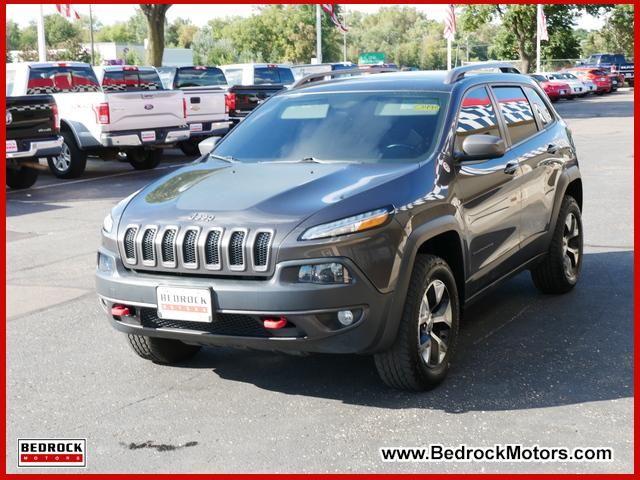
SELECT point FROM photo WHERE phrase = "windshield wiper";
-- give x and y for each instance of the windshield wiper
(309, 160)
(224, 158)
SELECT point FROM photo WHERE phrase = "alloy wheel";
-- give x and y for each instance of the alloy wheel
(63, 161)
(434, 324)
(571, 246)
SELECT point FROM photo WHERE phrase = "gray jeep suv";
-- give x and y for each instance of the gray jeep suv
(353, 215)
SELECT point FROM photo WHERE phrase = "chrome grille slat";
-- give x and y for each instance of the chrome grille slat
(164, 247)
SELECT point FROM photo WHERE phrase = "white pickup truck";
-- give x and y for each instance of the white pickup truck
(138, 121)
(205, 90)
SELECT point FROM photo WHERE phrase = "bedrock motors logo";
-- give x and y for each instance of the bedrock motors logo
(52, 452)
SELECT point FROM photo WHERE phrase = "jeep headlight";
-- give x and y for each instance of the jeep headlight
(356, 223)
(107, 223)
(324, 273)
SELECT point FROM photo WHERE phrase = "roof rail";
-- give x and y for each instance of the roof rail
(458, 73)
(334, 73)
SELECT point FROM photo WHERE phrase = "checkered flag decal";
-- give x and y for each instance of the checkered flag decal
(30, 108)
(516, 112)
(51, 89)
(41, 90)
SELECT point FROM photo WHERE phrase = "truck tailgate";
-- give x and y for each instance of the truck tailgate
(144, 110)
(205, 104)
(30, 116)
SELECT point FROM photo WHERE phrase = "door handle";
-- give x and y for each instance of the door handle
(552, 149)
(511, 168)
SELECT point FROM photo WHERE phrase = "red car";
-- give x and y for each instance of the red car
(555, 90)
(600, 77)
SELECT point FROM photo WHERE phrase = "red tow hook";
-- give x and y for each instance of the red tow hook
(274, 323)
(120, 311)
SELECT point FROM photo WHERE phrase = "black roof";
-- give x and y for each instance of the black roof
(421, 80)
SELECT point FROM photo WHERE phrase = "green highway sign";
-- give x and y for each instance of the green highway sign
(371, 58)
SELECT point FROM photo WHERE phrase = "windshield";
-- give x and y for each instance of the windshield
(540, 78)
(371, 127)
(199, 77)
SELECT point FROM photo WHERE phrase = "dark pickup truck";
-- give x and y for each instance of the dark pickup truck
(614, 63)
(242, 99)
(33, 131)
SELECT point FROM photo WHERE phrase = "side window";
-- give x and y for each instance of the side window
(517, 113)
(234, 76)
(476, 116)
(545, 115)
(11, 78)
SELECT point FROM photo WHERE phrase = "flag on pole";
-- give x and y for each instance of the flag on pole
(66, 10)
(450, 23)
(543, 35)
(331, 11)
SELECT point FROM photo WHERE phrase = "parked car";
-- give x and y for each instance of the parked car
(578, 89)
(597, 76)
(554, 89)
(204, 90)
(33, 132)
(93, 122)
(351, 216)
(616, 63)
(300, 71)
(251, 84)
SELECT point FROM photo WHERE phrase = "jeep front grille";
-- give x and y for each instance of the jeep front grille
(174, 249)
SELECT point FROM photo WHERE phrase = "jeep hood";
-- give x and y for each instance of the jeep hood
(242, 194)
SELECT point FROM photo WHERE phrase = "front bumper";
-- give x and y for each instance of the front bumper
(310, 308)
(38, 148)
(138, 138)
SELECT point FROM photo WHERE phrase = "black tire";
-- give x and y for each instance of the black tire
(71, 162)
(571, 97)
(141, 159)
(22, 177)
(190, 147)
(403, 366)
(161, 350)
(553, 275)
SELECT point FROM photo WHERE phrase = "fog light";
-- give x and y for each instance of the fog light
(324, 273)
(345, 317)
(105, 263)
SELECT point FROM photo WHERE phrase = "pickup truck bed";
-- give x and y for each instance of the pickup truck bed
(242, 99)
(32, 132)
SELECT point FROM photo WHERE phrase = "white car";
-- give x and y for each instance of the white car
(578, 88)
(137, 123)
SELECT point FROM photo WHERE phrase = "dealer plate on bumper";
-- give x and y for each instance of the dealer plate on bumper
(188, 304)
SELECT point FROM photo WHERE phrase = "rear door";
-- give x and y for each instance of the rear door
(204, 89)
(490, 193)
(138, 101)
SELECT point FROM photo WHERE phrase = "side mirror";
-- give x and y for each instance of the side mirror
(481, 147)
(206, 145)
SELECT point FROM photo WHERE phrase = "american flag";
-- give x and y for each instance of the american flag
(66, 10)
(331, 11)
(450, 23)
(543, 35)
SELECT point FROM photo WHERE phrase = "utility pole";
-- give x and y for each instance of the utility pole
(318, 34)
(93, 61)
(42, 44)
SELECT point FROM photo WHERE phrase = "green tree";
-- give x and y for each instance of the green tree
(155, 14)
(518, 31)
(13, 35)
(618, 31)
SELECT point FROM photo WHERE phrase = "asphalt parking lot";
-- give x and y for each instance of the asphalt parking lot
(531, 369)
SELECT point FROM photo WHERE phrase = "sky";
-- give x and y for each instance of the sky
(200, 14)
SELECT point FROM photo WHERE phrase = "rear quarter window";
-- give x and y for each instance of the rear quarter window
(540, 107)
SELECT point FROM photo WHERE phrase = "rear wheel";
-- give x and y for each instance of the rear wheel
(161, 350)
(426, 340)
(141, 159)
(559, 271)
(22, 177)
(71, 162)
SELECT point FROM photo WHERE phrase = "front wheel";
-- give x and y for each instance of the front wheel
(21, 177)
(161, 350)
(426, 340)
(141, 159)
(72, 160)
(559, 271)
